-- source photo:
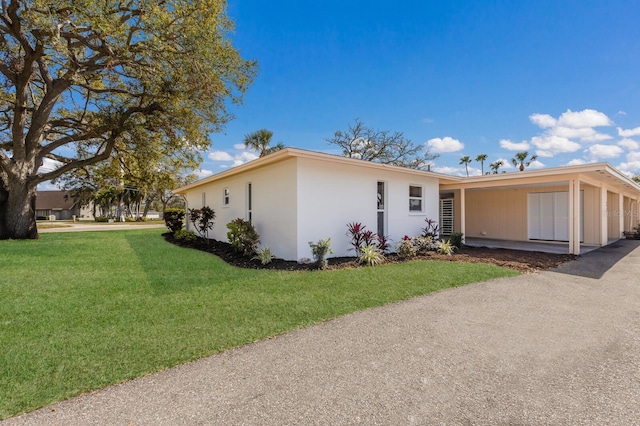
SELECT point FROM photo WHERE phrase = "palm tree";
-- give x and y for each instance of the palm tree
(521, 159)
(481, 158)
(496, 165)
(466, 160)
(260, 140)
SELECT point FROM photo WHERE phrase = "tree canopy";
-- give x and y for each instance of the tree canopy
(81, 80)
(260, 141)
(381, 146)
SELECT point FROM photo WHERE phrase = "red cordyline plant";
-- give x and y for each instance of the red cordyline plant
(362, 237)
(355, 231)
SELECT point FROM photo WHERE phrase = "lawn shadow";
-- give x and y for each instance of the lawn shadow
(166, 279)
(595, 263)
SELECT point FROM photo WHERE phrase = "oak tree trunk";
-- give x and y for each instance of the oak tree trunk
(18, 211)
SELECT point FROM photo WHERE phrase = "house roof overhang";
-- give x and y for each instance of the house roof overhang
(594, 174)
(289, 153)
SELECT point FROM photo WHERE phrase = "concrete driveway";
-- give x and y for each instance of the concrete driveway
(555, 348)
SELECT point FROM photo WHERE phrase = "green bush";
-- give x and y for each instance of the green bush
(456, 239)
(102, 218)
(264, 256)
(406, 248)
(184, 235)
(320, 250)
(423, 243)
(202, 219)
(371, 255)
(243, 236)
(174, 219)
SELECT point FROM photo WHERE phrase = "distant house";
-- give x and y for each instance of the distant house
(58, 204)
(295, 196)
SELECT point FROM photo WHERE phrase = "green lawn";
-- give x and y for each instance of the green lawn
(80, 311)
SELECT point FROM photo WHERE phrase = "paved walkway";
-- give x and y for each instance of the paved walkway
(554, 348)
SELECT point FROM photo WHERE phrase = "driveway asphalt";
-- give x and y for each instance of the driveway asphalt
(554, 347)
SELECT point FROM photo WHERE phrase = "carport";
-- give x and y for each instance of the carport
(575, 206)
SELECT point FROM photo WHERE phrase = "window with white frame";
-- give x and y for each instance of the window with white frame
(225, 197)
(415, 199)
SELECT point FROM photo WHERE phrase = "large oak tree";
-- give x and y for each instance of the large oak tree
(81, 79)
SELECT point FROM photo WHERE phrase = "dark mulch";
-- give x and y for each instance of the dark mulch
(524, 261)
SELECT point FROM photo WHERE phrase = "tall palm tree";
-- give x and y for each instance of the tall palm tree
(496, 165)
(466, 160)
(521, 159)
(260, 141)
(481, 158)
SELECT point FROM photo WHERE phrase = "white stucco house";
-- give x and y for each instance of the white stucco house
(295, 196)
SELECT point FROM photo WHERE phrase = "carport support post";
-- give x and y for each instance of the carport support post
(620, 215)
(574, 215)
(463, 214)
(604, 218)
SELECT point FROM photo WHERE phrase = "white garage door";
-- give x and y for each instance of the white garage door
(548, 217)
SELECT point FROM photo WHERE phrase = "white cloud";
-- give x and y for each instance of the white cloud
(202, 173)
(550, 145)
(244, 157)
(453, 171)
(514, 146)
(586, 134)
(629, 133)
(542, 120)
(622, 112)
(48, 186)
(236, 159)
(630, 168)
(536, 165)
(576, 162)
(49, 165)
(584, 118)
(427, 120)
(630, 144)
(239, 146)
(633, 156)
(598, 151)
(220, 156)
(446, 144)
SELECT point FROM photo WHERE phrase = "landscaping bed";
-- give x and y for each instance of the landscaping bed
(520, 260)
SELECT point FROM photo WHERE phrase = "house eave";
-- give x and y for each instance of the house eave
(288, 153)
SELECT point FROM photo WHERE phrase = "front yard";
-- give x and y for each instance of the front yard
(80, 311)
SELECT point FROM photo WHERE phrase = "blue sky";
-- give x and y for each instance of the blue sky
(559, 79)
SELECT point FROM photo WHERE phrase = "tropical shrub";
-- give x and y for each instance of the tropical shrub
(320, 250)
(264, 255)
(383, 243)
(424, 243)
(371, 255)
(431, 230)
(355, 231)
(243, 236)
(184, 235)
(174, 218)
(102, 219)
(202, 220)
(456, 239)
(445, 247)
(406, 248)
